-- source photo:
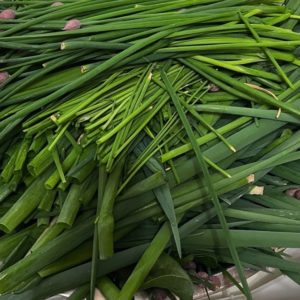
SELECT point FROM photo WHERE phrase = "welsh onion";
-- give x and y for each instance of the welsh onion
(144, 130)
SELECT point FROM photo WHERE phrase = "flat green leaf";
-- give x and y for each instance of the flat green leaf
(168, 274)
(164, 197)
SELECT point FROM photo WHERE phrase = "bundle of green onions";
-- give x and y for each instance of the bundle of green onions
(146, 143)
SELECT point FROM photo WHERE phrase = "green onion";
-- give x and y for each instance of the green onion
(155, 128)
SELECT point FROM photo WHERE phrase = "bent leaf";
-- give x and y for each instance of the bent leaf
(168, 274)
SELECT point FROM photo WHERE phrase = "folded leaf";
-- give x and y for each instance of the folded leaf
(168, 274)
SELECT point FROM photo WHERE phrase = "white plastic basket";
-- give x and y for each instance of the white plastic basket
(263, 286)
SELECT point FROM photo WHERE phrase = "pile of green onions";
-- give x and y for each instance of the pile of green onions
(139, 137)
